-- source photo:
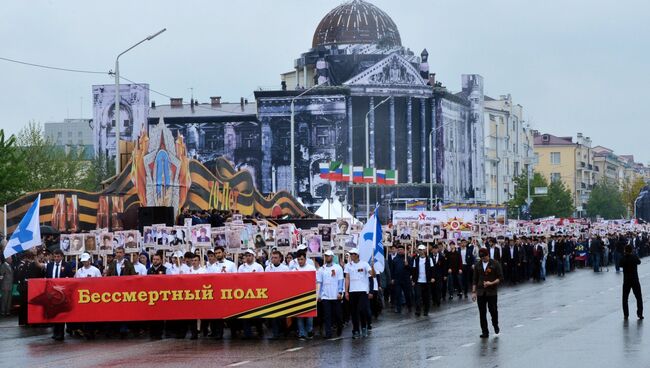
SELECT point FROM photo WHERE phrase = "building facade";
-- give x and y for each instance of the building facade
(508, 148)
(560, 158)
(71, 134)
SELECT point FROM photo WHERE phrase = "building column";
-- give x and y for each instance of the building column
(391, 115)
(371, 132)
(409, 139)
(433, 170)
(266, 171)
(350, 132)
(423, 141)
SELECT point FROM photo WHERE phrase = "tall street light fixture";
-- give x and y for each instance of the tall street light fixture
(368, 154)
(117, 99)
(293, 138)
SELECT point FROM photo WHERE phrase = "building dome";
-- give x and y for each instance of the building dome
(356, 22)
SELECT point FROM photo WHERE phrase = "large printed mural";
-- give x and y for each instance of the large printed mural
(159, 174)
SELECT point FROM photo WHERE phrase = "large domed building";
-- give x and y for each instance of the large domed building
(357, 68)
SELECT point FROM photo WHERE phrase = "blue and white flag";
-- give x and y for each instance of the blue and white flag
(28, 233)
(371, 247)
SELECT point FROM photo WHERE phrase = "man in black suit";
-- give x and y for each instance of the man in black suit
(422, 276)
(469, 259)
(156, 327)
(400, 279)
(487, 276)
(629, 263)
(439, 274)
(55, 270)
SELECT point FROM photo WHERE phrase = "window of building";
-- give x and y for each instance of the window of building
(59, 134)
(322, 136)
(556, 177)
(555, 158)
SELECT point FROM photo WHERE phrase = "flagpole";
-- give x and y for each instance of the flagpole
(4, 220)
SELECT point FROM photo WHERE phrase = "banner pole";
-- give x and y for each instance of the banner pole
(4, 220)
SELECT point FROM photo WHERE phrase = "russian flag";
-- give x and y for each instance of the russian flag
(357, 174)
(324, 170)
(369, 175)
(381, 176)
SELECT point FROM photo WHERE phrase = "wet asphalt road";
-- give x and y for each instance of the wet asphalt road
(575, 321)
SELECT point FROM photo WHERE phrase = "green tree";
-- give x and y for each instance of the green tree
(558, 202)
(605, 201)
(50, 166)
(100, 169)
(13, 169)
(630, 191)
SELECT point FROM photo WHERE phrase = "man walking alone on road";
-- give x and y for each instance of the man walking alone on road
(487, 276)
(629, 263)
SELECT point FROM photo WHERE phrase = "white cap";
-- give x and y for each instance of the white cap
(421, 247)
(354, 251)
(178, 254)
(302, 247)
(249, 251)
(85, 257)
(328, 253)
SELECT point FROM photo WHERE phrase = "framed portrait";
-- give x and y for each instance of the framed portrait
(325, 231)
(314, 245)
(343, 226)
(259, 241)
(201, 235)
(425, 231)
(339, 243)
(90, 243)
(148, 236)
(105, 243)
(238, 219)
(187, 222)
(233, 237)
(219, 237)
(283, 238)
(131, 239)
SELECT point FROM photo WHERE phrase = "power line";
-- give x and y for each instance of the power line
(53, 67)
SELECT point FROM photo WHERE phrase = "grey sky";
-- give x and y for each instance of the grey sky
(575, 66)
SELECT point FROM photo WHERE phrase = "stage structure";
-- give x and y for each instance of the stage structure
(160, 173)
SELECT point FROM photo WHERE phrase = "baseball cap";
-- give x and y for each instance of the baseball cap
(302, 247)
(85, 257)
(421, 247)
(354, 251)
(328, 253)
(249, 251)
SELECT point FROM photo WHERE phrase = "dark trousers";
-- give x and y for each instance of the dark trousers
(216, 328)
(467, 278)
(636, 289)
(436, 291)
(486, 303)
(58, 330)
(398, 288)
(359, 310)
(156, 329)
(422, 297)
(332, 315)
(560, 265)
(453, 281)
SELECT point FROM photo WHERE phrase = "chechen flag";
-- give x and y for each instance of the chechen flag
(347, 173)
(369, 175)
(336, 171)
(391, 177)
(381, 176)
(324, 170)
(357, 174)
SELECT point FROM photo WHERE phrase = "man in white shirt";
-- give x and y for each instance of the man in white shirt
(187, 263)
(294, 262)
(87, 270)
(305, 325)
(423, 278)
(173, 267)
(358, 278)
(331, 281)
(196, 268)
(141, 265)
(250, 265)
(276, 264)
(221, 264)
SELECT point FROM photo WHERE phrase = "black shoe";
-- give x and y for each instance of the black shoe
(640, 317)
(496, 330)
(417, 314)
(484, 336)
(426, 314)
(625, 318)
(194, 337)
(57, 338)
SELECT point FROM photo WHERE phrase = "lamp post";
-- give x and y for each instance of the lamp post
(117, 99)
(368, 154)
(292, 133)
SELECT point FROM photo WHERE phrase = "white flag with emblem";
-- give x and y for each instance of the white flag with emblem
(28, 232)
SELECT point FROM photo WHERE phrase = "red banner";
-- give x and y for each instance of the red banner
(162, 297)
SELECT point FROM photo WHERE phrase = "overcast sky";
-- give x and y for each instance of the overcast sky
(575, 65)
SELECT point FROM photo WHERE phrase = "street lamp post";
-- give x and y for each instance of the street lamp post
(293, 153)
(117, 99)
(368, 154)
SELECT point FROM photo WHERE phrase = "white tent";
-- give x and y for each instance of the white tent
(334, 209)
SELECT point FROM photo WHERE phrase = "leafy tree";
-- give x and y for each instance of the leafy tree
(100, 169)
(605, 201)
(558, 202)
(630, 191)
(50, 167)
(13, 168)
